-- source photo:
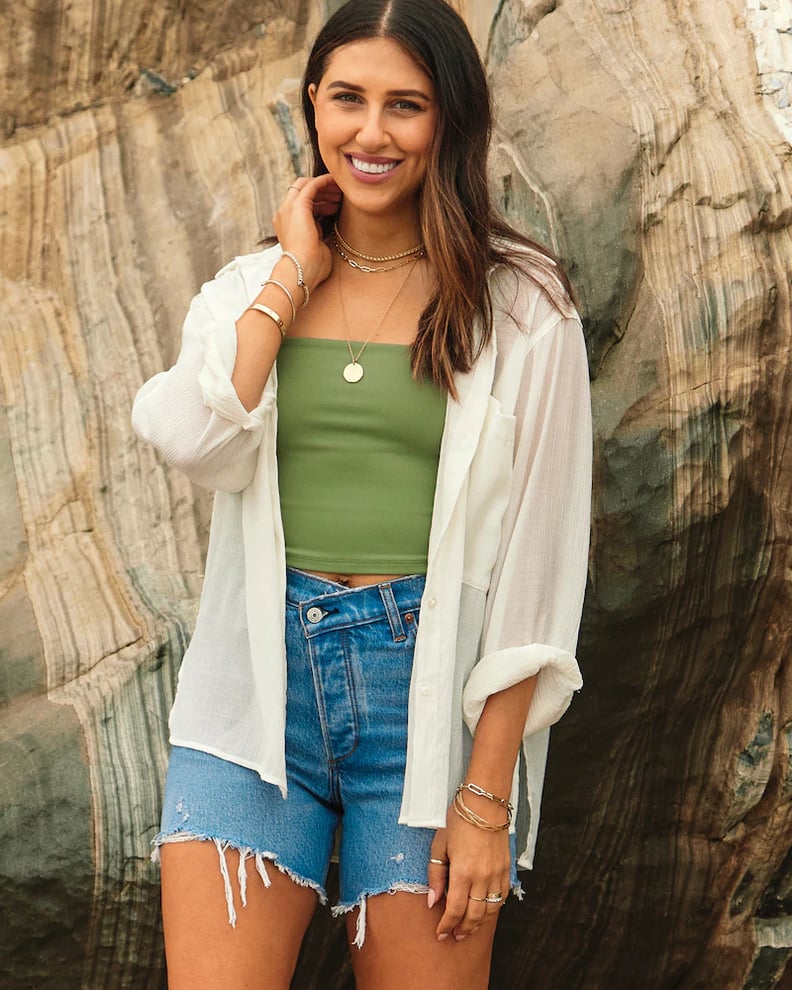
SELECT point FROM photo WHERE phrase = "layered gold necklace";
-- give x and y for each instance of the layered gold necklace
(346, 252)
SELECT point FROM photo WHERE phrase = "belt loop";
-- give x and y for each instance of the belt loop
(392, 612)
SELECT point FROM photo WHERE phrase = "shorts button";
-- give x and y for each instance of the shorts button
(314, 614)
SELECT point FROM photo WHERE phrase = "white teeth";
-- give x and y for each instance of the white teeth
(371, 168)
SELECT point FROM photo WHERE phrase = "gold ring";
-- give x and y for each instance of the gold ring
(439, 862)
(472, 898)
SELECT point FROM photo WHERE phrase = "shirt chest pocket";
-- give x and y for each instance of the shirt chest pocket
(489, 488)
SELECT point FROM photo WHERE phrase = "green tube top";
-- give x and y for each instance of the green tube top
(357, 463)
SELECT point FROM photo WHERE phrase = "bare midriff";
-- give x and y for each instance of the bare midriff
(357, 580)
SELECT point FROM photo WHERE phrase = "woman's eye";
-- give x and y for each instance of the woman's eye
(407, 105)
(346, 97)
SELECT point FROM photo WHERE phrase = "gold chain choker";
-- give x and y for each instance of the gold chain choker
(340, 242)
(367, 269)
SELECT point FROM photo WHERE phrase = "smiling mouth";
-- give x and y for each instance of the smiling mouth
(372, 168)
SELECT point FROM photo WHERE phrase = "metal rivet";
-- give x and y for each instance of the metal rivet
(314, 614)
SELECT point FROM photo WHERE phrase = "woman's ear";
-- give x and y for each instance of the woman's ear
(312, 93)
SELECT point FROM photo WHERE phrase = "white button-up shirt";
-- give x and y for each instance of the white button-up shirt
(508, 544)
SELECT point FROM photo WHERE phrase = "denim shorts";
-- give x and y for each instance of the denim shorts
(349, 661)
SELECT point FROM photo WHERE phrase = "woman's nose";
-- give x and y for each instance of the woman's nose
(372, 131)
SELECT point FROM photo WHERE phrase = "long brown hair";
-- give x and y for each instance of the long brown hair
(462, 231)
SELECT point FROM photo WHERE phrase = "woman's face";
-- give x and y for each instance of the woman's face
(375, 120)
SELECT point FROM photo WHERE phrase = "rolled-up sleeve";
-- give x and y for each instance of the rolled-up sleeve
(191, 413)
(536, 594)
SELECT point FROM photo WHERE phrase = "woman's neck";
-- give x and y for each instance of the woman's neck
(379, 235)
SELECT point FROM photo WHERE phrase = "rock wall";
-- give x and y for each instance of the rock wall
(648, 142)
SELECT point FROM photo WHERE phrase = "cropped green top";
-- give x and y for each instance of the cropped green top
(357, 462)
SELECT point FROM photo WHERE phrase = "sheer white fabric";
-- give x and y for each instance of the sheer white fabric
(507, 556)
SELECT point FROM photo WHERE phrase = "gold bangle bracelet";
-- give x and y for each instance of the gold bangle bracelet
(475, 789)
(470, 816)
(268, 311)
(289, 296)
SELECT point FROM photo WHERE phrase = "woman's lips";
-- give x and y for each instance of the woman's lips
(372, 170)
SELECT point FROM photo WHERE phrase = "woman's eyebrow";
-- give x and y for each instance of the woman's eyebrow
(340, 84)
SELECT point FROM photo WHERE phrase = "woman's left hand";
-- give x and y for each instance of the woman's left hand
(479, 865)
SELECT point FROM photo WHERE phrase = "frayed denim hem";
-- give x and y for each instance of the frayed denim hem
(395, 888)
(245, 853)
(360, 904)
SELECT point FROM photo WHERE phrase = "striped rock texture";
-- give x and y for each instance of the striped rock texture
(648, 142)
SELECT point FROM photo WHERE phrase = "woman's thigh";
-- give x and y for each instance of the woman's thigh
(242, 871)
(202, 949)
(401, 948)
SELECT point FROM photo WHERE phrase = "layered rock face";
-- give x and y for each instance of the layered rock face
(647, 142)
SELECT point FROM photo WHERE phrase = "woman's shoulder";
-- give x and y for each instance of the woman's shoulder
(529, 295)
(240, 279)
(253, 262)
(527, 276)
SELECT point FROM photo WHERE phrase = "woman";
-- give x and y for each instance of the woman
(397, 559)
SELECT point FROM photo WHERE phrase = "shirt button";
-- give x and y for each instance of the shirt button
(314, 614)
(432, 602)
(425, 689)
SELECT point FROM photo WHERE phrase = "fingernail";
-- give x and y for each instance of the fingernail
(443, 937)
(460, 938)
(431, 897)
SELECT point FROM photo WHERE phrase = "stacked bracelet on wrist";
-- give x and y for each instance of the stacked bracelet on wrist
(273, 314)
(300, 277)
(470, 816)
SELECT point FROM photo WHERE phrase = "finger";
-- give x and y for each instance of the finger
(438, 878)
(318, 197)
(455, 908)
(326, 185)
(299, 182)
(327, 201)
(437, 870)
(475, 914)
(322, 189)
(456, 905)
(315, 181)
(325, 209)
(498, 889)
(497, 892)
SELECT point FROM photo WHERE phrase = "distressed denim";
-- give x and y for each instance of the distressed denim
(349, 657)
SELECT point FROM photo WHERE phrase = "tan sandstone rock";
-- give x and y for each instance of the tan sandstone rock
(647, 142)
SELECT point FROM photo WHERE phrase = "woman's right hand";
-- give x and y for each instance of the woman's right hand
(298, 228)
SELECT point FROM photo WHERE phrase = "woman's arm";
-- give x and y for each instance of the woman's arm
(297, 228)
(527, 671)
(207, 414)
(497, 742)
(482, 860)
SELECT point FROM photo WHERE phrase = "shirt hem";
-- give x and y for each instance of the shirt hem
(221, 755)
